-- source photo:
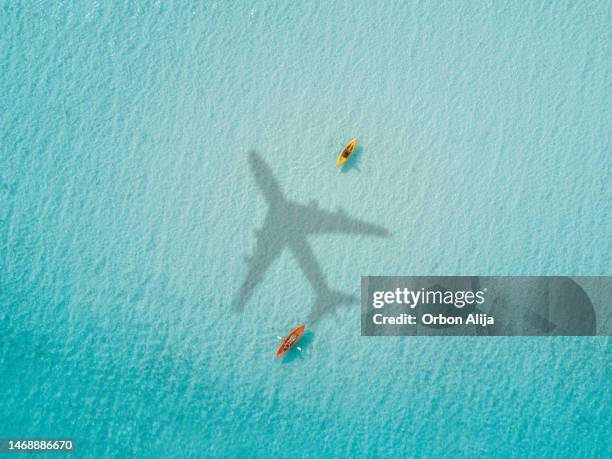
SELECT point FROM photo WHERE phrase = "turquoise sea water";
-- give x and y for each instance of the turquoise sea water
(127, 205)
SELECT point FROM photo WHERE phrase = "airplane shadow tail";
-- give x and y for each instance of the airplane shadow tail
(327, 300)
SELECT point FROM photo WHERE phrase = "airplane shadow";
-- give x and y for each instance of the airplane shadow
(354, 161)
(287, 226)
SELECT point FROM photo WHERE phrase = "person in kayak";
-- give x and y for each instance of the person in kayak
(290, 340)
(289, 343)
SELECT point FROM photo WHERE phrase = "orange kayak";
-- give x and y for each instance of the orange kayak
(346, 153)
(290, 340)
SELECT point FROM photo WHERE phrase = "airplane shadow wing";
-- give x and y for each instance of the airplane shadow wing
(319, 221)
(265, 253)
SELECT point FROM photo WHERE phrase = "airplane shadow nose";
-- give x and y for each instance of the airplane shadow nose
(253, 157)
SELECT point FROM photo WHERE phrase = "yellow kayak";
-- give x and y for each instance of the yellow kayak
(346, 153)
